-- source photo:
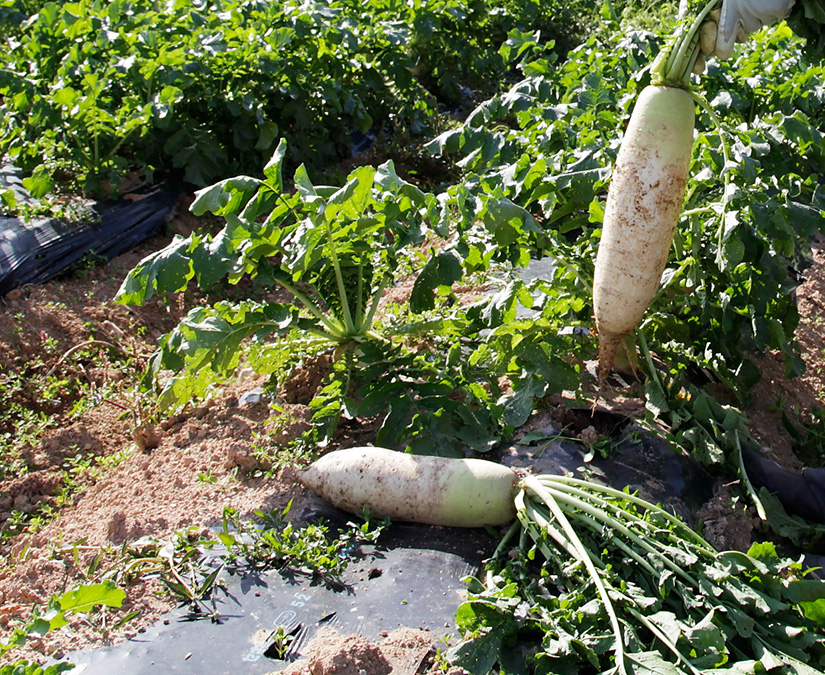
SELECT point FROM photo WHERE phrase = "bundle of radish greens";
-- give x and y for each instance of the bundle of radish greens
(624, 586)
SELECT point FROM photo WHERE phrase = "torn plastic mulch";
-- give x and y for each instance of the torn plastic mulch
(34, 252)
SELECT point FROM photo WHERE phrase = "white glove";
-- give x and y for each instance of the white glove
(736, 21)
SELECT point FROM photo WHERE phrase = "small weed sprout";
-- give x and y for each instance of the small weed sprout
(281, 641)
(207, 477)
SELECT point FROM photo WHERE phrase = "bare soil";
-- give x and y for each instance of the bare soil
(183, 472)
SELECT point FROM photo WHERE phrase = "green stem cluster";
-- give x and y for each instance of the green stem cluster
(349, 327)
(674, 64)
(590, 523)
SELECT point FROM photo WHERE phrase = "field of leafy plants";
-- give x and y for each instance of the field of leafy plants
(93, 90)
(515, 109)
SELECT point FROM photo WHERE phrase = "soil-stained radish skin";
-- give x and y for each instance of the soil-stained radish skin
(643, 206)
(415, 488)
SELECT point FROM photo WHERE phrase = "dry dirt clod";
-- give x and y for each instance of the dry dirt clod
(402, 652)
(240, 455)
(146, 437)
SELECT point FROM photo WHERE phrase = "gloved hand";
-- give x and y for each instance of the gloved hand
(736, 20)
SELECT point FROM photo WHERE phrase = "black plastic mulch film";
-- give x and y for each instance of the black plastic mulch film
(37, 251)
(412, 580)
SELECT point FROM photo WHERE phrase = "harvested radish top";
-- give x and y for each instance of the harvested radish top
(626, 587)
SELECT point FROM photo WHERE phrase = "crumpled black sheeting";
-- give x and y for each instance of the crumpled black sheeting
(801, 493)
(36, 252)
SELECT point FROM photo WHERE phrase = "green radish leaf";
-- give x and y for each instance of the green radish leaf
(399, 414)
(479, 654)
(9, 199)
(763, 550)
(352, 199)
(440, 273)
(650, 663)
(733, 254)
(212, 259)
(656, 401)
(274, 169)
(212, 336)
(711, 640)
(506, 220)
(166, 271)
(542, 361)
(807, 20)
(327, 407)
(743, 623)
(39, 184)
(516, 44)
(225, 197)
(268, 132)
(500, 307)
(815, 611)
(304, 185)
(807, 592)
(387, 179)
(40, 626)
(785, 525)
(86, 598)
(519, 404)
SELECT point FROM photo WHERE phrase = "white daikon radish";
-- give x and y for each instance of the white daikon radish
(415, 488)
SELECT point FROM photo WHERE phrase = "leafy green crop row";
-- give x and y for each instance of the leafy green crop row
(92, 89)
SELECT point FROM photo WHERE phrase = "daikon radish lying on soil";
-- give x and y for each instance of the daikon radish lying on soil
(414, 488)
(646, 192)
